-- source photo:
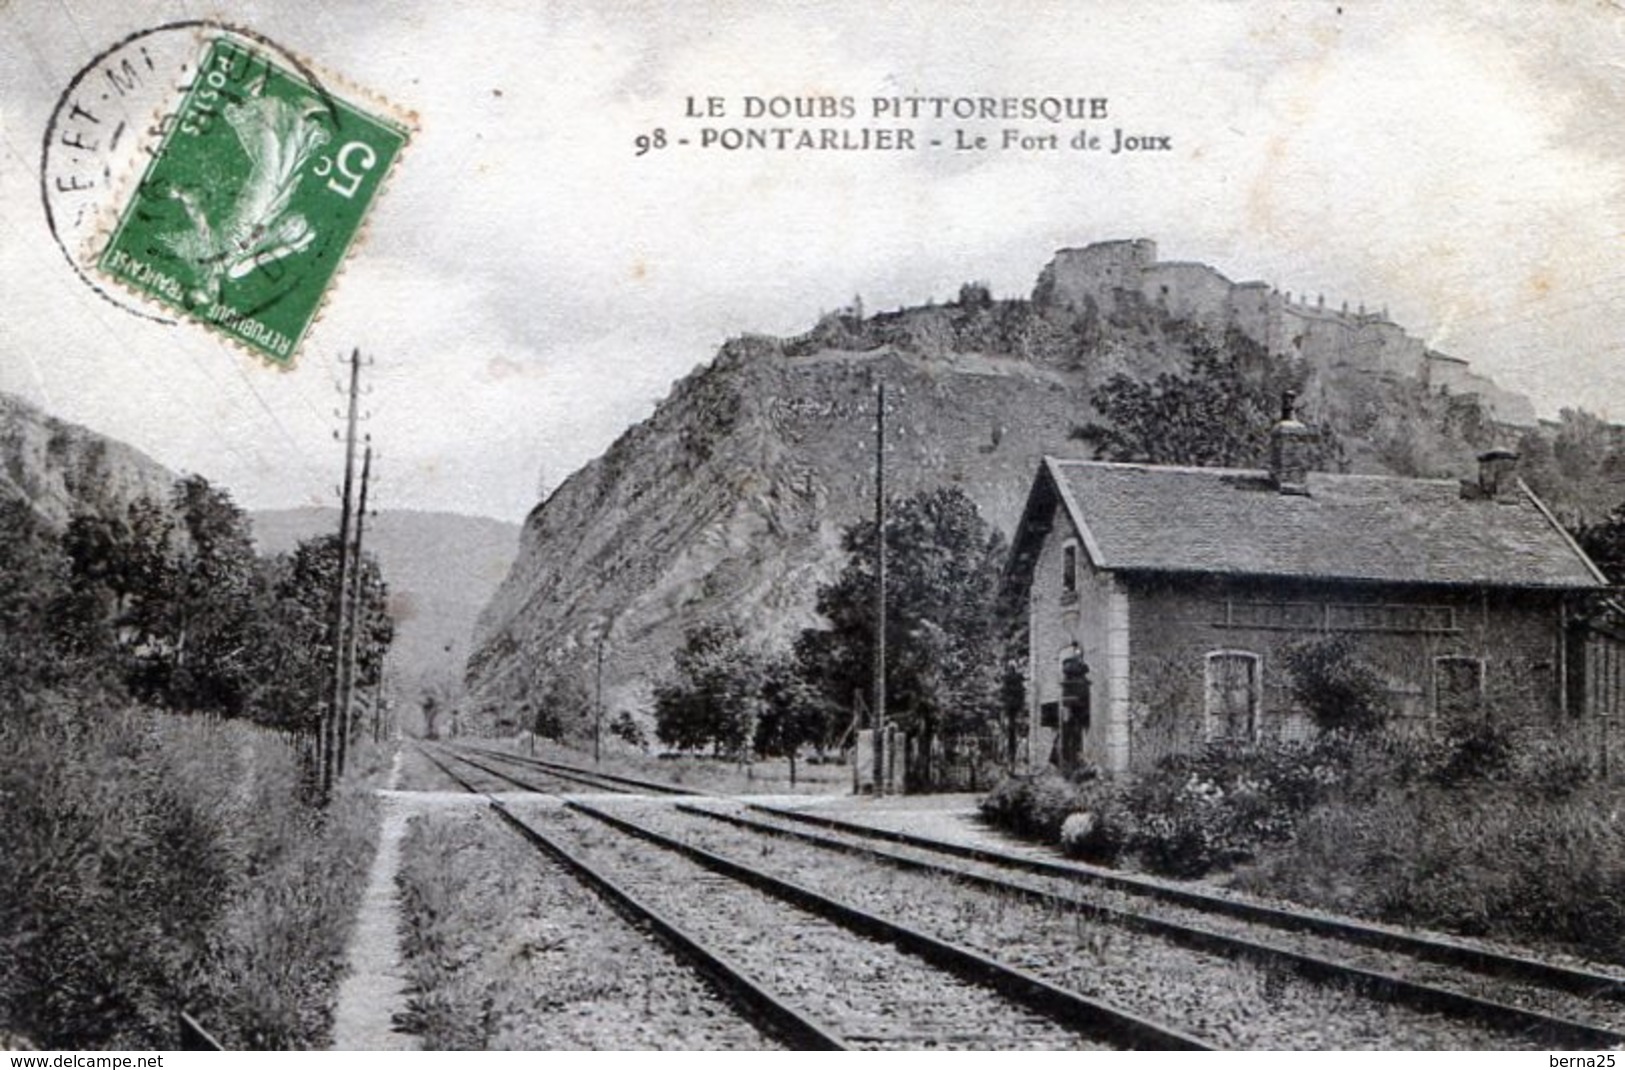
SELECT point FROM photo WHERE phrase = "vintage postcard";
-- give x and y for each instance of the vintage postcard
(978, 526)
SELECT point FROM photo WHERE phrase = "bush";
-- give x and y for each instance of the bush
(1101, 833)
(1036, 805)
(1481, 859)
(1217, 807)
(1339, 691)
(156, 862)
(1474, 750)
(1190, 815)
(626, 728)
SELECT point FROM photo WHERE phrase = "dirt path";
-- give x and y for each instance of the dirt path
(374, 988)
(373, 991)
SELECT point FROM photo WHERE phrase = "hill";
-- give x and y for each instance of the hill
(62, 469)
(729, 500)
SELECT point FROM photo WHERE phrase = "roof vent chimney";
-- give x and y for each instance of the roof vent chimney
(1290, 442)
(1496, 474)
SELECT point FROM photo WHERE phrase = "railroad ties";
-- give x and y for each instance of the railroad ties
(798, 909)
(813, 971)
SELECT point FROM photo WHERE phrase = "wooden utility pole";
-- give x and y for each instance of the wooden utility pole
(878, 720)
(598, 702)
(378, 701)
(353, 597)
(330, 724)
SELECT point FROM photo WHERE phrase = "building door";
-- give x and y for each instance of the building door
(1232, 696)
(1074, 710)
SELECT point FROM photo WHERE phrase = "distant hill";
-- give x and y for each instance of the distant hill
(62, 469)
(442, 568)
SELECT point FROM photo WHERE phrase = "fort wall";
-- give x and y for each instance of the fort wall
(1325, 337)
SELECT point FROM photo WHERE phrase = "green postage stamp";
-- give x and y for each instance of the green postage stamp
(258, 187)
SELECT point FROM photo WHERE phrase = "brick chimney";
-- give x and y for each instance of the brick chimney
(1497, 474)
(1290, 443)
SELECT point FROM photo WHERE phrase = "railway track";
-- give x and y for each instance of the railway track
(1547, 1003)
(1588, 985)
(856, 979)
(592, 778)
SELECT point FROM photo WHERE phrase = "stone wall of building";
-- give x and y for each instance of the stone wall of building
(1095, 619)
(1195, 293)
(1398, 632)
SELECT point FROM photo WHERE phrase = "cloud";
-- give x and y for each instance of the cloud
(528, 286)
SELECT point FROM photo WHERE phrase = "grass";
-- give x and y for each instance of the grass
(449, 1001)
(505, 951)
(155, 862)
(1481, 859)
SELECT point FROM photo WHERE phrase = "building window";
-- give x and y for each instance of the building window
(1399, 618)
(1233, 692)
(1069, 570)
(1458, 687)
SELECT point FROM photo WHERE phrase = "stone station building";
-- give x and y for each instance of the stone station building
(1162, 599)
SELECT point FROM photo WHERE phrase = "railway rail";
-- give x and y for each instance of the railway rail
(1545, 1002)
(1586, 983)
(1550, 1016)
(612, 782)
(887, 985)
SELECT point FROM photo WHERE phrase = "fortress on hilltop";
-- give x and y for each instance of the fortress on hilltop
(1329, 339)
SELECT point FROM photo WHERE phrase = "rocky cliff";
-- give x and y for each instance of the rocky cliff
(62, 469)
(730, 498)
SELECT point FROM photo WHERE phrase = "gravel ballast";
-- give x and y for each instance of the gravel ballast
(1227, 1003)
(506, 950)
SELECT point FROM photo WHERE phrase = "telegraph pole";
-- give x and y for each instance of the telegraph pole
(347, 668)
(879, 717)
(330, 724)
(598, 703)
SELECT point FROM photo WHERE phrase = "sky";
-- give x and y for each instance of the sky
(528, 287)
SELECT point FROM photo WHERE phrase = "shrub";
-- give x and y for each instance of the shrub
(1103, 830)
(1472, 750)
(156, 862)
(1218, 806)
(1339, 691)
(626, 728)
(1036, 805)
(1483, 859)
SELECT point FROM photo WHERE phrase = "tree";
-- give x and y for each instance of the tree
(944, 622)
(625, 727)
(793, 713)
(121, 571)
(294, 648)
(713, 696)
(205, 656)
(43, 643)
(1217, 415)
(175, 584)
(974, 296)
(1604, 543)
(430, 706)
(567, 703)
(1578, 468)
